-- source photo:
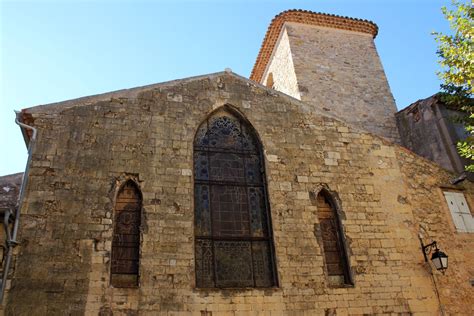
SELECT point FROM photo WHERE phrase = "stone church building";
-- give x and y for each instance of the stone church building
(283, 194)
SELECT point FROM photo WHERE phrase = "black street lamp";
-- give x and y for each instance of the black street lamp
(439, 258)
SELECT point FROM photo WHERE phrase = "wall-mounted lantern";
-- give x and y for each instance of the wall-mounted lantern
(438, 258)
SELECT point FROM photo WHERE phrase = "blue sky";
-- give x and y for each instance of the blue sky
(58, 50)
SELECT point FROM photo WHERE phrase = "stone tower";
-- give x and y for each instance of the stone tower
(331, 63)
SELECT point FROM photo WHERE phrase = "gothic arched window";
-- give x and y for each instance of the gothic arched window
(333, 246)
(126, 238)
(233, 235)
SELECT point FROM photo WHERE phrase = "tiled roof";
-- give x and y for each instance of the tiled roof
(310, 18)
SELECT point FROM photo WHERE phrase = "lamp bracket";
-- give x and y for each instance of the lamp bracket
(427, 249)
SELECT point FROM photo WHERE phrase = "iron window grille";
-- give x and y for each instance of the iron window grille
(233, 236)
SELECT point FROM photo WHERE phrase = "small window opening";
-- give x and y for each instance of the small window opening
(270, 83)
(335, 254)
(415, 111)
(126, 238)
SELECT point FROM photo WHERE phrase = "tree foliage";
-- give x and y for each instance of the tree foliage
(456, 54)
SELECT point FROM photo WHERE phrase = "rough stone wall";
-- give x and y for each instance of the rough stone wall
(429, 128)
(282, 69)
(426, 182)
(84, 153)
(340, 72)
(418, 124)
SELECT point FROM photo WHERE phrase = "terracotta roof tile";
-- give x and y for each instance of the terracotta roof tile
(310, 18)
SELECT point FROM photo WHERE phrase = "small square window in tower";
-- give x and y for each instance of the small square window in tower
(460, 212)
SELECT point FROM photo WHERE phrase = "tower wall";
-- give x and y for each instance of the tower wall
(338, 71)
(280, 74)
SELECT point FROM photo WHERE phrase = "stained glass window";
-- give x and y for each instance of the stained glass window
(337, 265)
(126, 238)
(232, 221)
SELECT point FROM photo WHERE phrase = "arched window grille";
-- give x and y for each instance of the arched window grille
(126, 238)
(333, 243)
(233, 235)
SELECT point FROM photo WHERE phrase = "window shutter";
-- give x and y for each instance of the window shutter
(464, 211)
(455, 212)
(469, 222)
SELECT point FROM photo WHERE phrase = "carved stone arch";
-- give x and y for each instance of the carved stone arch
(331, 236)
(235, 111)
(233, 234)
(333, 198)
(118, 182)
(125, 254)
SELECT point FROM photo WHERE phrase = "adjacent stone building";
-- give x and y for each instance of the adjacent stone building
(432, 129)
(218, 195)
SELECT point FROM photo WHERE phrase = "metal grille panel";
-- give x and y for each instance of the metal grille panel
(332, 240)
(126, 238)
(232, 225)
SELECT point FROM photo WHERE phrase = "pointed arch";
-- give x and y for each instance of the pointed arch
(332, 237)
(233, 235)
(125, 254)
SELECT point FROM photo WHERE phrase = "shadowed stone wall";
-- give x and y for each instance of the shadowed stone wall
(431, 129)
(9, 191)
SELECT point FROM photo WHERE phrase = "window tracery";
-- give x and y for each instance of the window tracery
(232, 222)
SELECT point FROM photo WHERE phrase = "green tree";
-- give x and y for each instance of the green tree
(456, 54)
